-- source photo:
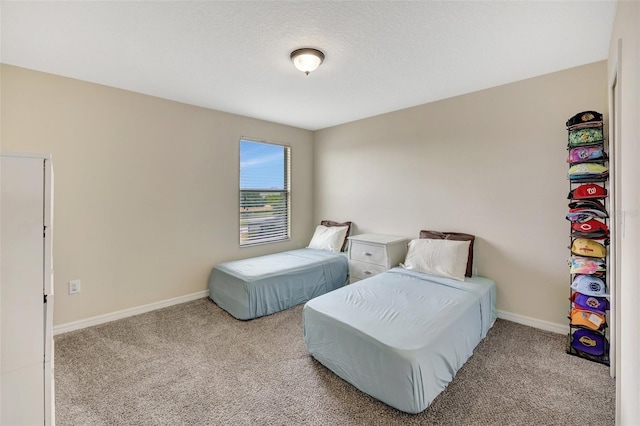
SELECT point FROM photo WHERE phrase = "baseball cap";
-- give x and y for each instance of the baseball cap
(590, 303)
(588, 248)
(589, 319)
(583, 136)
(590, 229)
(590, 226)
(588, 190)
(589, 342)
(585, 215)
(587, 204)
(589, 285)
(587, 169)
(580, 216)
(584, 117)
(590, 211)
(585, 265)
(586, 153)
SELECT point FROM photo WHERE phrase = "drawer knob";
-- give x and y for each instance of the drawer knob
(366, 253)
(367, 272)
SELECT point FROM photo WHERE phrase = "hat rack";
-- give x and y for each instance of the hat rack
(588, 177)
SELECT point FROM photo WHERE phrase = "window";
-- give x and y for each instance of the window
(265, 195)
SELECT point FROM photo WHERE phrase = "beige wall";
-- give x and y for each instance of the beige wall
(627, 30)
(490, 163)
(146, 193)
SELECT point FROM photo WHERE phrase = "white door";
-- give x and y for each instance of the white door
(22, 277)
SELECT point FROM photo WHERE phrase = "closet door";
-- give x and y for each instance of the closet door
(22, 276)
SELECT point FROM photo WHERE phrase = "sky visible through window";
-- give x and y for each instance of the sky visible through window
(261, 165)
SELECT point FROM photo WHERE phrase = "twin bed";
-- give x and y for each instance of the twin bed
(258, 286)
(399, 336)
(402, 335)
(251, 288)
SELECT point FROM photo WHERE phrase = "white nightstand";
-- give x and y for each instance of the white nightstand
(371, 254)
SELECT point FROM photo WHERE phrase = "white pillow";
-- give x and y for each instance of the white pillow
(445, 258)
(328, 238)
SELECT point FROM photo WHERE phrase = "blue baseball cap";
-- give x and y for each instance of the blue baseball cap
(589, 285)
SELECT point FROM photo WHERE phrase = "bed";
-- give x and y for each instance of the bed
(402, 335)
(255, 287)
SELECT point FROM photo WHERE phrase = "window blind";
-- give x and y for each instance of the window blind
(264, 192)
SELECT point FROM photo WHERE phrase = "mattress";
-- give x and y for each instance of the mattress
(258, 286)
(400, 336)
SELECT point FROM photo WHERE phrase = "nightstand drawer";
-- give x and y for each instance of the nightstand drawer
(360, 270)
(369, 253)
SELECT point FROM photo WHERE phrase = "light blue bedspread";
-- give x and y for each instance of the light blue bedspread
(400, 336)
(258, 286)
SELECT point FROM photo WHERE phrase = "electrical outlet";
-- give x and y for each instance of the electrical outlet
(74, 286)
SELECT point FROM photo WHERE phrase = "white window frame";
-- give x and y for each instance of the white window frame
(255, 227)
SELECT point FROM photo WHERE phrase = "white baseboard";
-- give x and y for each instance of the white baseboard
(533, 322)
(101, 319)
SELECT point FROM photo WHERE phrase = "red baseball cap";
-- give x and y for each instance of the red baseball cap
(588, 190)
(592, 225)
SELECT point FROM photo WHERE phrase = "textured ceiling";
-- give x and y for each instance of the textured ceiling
(233, 56)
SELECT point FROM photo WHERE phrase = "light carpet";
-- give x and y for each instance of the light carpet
(194, 364)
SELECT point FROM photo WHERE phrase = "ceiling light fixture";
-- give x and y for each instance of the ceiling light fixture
(307, 59)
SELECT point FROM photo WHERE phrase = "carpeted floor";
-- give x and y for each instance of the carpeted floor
(193, 364)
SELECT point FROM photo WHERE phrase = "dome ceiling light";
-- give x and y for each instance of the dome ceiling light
(307, 59)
